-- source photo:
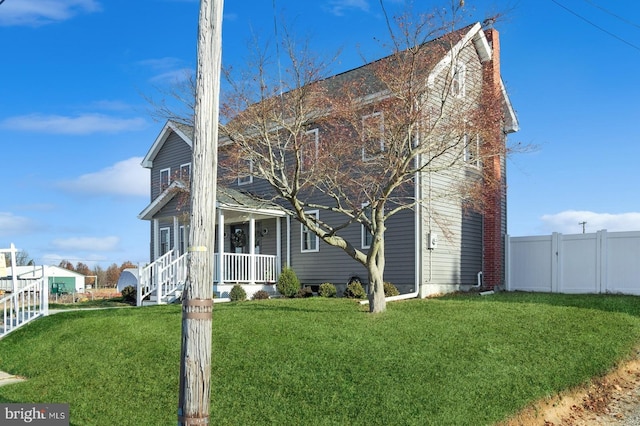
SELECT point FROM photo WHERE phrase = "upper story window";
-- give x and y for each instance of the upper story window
(472, 150)
(185, 172)
(309, 149)
(245, 175)
(309, 242)
(165, 178)
(458, 76)
(372, 135)
(366, 236)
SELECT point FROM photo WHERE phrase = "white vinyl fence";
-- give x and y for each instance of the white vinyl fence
(601, 262)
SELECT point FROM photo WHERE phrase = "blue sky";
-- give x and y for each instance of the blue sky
(74, 122)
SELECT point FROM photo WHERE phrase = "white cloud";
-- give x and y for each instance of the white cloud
(338, 7)
(126, 177)
(40, 12)
(173, 77)
(87, 243)
(80, 125)
(568, 222)
(11, 224)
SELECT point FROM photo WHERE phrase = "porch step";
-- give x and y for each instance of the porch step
(166, 299)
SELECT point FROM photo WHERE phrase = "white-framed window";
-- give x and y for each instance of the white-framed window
(309, 242)
(183, 238)
(245, 175)
(309, 148)
(185, 172)
(372, 135)
(472, 150)
(165, 178)
(366, 236)
(458, 77)
(164, 240)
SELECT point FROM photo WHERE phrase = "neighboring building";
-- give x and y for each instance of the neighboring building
(61, 281)
(258, 239)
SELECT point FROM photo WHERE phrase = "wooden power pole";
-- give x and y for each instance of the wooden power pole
(197, 305)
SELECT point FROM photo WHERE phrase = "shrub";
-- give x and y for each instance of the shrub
(354, 289)
(260, 295)
(288, 283)
(390, 290)
(327, 290)
(237, 293)
(129, 294)
(304, 292)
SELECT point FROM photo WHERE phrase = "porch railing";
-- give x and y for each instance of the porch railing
(25, 305)
(163, 278)
(239, 268)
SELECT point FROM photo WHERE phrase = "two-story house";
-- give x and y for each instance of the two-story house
(436, 247)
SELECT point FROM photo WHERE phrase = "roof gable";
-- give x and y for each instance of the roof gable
(170, 127)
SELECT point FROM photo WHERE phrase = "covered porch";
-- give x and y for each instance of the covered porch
(249, 241)
(251, 245)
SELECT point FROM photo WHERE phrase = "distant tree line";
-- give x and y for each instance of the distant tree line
(105, 277)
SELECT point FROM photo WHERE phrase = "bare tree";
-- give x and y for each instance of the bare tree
(381, 128)
(66, 265)
(22, 258)
(112, 275)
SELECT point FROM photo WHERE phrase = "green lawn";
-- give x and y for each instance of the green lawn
(458, 360)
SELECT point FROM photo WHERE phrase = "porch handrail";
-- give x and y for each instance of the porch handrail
(162, 277)
(25, 305)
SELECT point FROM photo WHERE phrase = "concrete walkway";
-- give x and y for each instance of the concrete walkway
(7, 379)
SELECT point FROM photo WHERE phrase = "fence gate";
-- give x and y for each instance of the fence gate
(601, 262)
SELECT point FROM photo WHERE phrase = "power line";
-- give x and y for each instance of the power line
(622, 18)
(596, 26)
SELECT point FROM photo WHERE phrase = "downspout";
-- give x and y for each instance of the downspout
(417, 241)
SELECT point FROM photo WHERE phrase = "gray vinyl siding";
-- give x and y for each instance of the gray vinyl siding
(334, 265)
(174, 152)
(457, 259)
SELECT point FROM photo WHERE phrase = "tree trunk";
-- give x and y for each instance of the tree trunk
(375, 269)
(195, 364)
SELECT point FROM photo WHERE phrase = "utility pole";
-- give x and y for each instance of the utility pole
(195, 354)
(583, 226)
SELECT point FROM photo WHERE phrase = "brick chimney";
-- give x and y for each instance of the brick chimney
(494, 224)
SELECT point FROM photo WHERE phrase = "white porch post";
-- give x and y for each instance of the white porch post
(288, 241)
(156, 236)
(278, 246)
(220, 264)
(176, 236)
(252, 250)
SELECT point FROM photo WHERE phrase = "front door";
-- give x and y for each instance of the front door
(239, 238)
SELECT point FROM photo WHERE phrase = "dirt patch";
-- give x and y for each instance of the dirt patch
(610, 400)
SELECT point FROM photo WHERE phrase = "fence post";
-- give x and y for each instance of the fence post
(140, 287)
(507, 262)
(44, 304)
(602, 253)
(14, 265)
(556, 262)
